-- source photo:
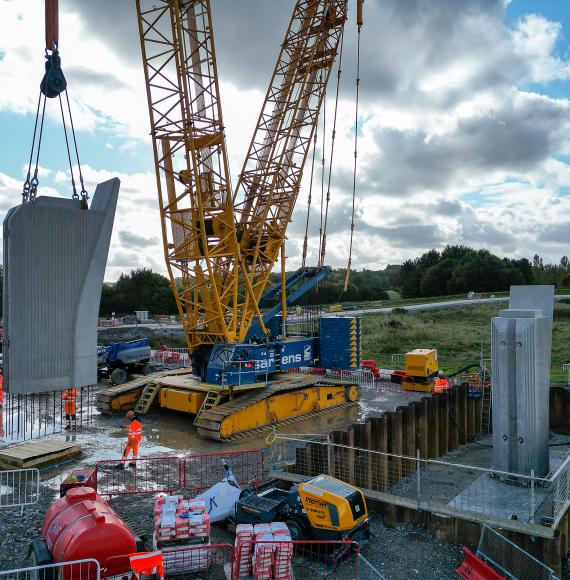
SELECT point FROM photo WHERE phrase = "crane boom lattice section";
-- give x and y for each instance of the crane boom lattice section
(271, 177)
(193, 179)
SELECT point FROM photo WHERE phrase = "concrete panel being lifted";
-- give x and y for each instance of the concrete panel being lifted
(55, 254)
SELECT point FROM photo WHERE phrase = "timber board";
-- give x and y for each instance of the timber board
(38, 453)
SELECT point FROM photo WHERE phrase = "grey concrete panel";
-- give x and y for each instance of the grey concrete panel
(539, 297)
(521, 350)
(55, 254)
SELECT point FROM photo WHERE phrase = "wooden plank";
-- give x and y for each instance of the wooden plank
(38, 453)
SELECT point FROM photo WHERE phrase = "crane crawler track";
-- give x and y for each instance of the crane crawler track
(121, 397)
(259, 410)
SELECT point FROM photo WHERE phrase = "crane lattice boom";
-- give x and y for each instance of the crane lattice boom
(220, 247)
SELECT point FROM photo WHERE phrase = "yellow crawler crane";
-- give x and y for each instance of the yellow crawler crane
(220, 246)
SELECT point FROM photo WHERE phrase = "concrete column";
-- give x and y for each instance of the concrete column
(521, 382)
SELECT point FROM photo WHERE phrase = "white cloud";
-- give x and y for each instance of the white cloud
(454, 147)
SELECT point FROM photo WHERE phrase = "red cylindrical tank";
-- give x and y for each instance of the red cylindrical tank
(83, 525)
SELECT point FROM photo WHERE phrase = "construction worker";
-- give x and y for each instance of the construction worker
(69, 397)
(1, 389)
(133, 437)
(441, 383)
(147, 564)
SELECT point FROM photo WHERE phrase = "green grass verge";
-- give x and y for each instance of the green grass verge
(457, 333)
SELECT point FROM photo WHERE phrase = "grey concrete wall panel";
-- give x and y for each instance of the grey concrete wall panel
(55, 254)
(539, 297)
(521, 342)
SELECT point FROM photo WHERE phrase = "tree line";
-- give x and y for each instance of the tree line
(459, 269)
(454, 270)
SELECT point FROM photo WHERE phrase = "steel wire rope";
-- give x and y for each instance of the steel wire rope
(35, 181)
(305, 241)
(333, 139)
(355, 167)
(84, 195)
(75, 194)
(323, 144)
(27, 184)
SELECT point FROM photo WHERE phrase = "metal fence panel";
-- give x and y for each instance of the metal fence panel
(19, 487)
(466, 490)
(149, 475)
(300, 560)
(172, 357)
(208, 562)
(509, 559)
(366, 571)
(87, 569)
(204, 470)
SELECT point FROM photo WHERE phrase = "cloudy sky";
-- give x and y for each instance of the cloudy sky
(464, 122)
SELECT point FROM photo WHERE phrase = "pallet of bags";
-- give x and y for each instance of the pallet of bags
(243, 550)
(196, 506)
(283, 554)
(262, 561)
(198, 524)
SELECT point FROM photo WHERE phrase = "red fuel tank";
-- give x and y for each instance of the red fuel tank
(82, 525)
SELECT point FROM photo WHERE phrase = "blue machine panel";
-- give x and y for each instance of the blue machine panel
(246, 364)
(297, 353)
(340, 342)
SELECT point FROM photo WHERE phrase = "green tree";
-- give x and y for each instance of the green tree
(142, 289)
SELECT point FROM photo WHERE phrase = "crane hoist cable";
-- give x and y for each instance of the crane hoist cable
(309, 199)
(53, 84)
(323, 146)
(322, 249)
(355, 167)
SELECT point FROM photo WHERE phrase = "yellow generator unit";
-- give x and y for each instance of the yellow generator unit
(335, 510)
(421, 366)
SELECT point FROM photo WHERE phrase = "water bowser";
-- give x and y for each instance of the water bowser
(82, 525)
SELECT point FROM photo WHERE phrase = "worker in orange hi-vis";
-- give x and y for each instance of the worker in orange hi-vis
(441, 383)
(69, 397)
(1, 389)
(147, 564)
(133, 437)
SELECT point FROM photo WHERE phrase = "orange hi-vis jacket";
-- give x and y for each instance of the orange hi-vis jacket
(69, 397)
(441, 385)
(147, 563)
(135, 431)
